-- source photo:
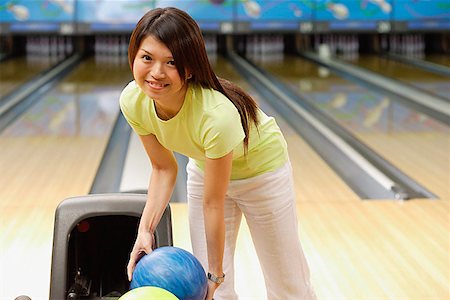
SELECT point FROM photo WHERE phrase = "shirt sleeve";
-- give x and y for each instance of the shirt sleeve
(131, 110)
(222, 130)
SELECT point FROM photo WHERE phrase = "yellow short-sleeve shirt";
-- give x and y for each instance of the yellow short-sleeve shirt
(207, 126)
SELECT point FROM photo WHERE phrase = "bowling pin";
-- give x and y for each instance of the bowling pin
(324, 51)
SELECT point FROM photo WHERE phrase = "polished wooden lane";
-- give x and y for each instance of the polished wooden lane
(435, 84)
(50, 153)
(438, 59)
(424, 156)
(417, 145)
(357, 250)
(17, 70)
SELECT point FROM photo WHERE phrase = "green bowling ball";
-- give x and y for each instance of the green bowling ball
(148, 293)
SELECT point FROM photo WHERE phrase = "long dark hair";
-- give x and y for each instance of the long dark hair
(182, 36)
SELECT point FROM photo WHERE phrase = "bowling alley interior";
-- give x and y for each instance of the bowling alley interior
(359, 88)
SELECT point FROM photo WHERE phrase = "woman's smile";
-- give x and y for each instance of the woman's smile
(156, 85)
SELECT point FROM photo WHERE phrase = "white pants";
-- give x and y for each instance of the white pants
(268, 204)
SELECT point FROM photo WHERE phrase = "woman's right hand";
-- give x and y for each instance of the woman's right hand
(143, 245)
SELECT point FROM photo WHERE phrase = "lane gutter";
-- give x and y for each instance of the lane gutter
(110, 171)
(425, 65)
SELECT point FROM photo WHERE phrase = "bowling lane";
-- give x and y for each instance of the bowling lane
(443, 60)
(432, 83)
(413, 142)
(311, 173)
(12, 73)
(50, 153)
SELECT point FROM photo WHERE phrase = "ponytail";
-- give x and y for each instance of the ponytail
(245, 104)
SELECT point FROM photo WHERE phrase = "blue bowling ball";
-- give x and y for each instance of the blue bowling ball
(173, 269)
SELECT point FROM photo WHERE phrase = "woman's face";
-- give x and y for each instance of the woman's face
(155, 72)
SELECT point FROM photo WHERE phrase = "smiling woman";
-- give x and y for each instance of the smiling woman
(155, 73)
(238, 158)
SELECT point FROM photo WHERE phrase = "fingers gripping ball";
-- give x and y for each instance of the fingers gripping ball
(148, 293)
(172, 269)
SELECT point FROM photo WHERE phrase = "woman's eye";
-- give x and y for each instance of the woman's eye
(172, 63)
(146, 57)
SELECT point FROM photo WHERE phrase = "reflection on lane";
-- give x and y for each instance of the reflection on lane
(432, 83)
(18, 70)
(415, 143)
(83, 104)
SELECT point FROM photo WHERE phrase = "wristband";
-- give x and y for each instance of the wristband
(216, 279)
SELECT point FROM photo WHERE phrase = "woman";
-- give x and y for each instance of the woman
(238, 158)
